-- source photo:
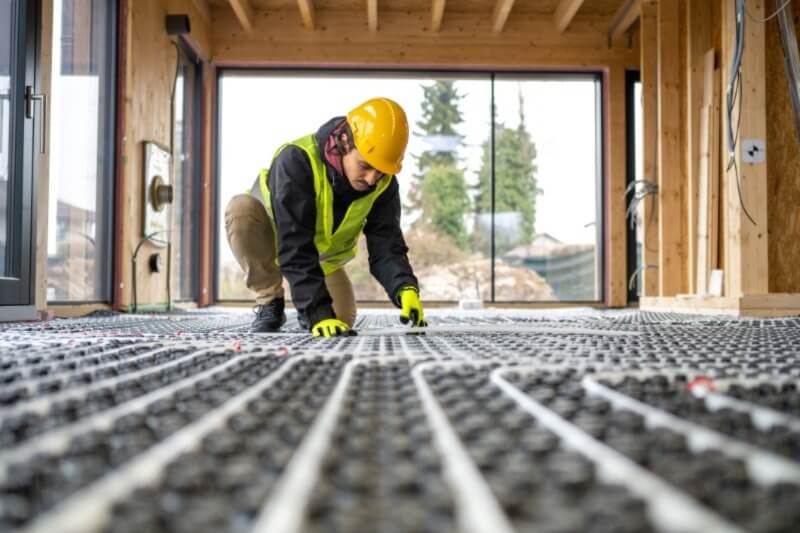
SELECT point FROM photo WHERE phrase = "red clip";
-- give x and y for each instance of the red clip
(701, 382)
(237, 346)
(283, 350)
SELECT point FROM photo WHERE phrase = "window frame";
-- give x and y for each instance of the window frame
(601, 144)
(196, 170)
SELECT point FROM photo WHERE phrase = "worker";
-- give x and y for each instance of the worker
(303, 216)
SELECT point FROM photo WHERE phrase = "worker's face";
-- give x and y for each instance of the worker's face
(361, 175)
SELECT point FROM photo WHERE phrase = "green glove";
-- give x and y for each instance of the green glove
(330, 327)
(411, 307)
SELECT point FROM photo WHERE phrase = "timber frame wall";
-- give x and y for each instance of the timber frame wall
(667, 38)
(758, 258)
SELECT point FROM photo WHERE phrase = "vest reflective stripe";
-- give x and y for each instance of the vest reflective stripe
(335, 249)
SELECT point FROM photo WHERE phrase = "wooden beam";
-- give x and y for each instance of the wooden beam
(203, 9)
(437, 14)
(244, 13)
(698, 43)
(672, 258)
(466, 41)
(565, 12)
(372, 15)
(623, 19)
(616, 256)
(649, 76)
(501, 11)
(707, 179)
(307, 12)
(746, 249)
(207, 191)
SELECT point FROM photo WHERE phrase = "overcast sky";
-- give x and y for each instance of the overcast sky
(260, 112)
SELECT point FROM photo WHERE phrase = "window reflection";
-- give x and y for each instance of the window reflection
(79, 251)
(546, 189)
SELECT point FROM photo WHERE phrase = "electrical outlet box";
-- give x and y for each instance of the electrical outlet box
(157, 163)
(754, 151)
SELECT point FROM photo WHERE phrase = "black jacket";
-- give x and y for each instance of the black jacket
(291, 185)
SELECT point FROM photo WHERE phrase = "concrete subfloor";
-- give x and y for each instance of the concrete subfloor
(490, 421)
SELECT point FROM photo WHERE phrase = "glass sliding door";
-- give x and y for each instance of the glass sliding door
(501, 187)
(20, 107)
(547, 182)
(448, 116)
(81, 152)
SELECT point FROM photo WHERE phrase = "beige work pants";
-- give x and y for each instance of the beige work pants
(252, 241)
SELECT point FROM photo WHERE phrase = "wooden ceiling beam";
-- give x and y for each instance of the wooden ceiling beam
(372, 15)
(565, 12)
(501, 11)
(244, 13)
(307, 13)
(437, 14)
(626, 15)
(203, 9)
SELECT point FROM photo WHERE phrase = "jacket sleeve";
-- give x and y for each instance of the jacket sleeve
(291, 185)
(388, 259)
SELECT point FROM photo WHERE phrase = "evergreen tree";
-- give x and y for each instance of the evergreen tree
(515, 176)
(439, 188)
(445, 201)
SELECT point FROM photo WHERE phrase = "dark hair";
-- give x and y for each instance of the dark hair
(344, 127)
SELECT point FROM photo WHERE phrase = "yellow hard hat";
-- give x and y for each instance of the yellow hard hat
(380, 133)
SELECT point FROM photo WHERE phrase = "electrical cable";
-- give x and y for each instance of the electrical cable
(638, 272)
(649, 188)
(734, 101)
(765, 20)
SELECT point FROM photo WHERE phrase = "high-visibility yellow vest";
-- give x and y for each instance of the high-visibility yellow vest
(339, 247)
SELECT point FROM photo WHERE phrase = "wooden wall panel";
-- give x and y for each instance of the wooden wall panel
(149, 76)
(747, 251)
(672, 257)
(783, 170)
(649, 77)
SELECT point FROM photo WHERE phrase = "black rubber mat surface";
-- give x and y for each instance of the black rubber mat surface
(492, 421)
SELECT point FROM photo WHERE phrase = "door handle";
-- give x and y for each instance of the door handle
(30, 98)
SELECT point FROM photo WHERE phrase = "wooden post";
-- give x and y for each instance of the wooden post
(707, 177)
(698, 28)
(649, 77)
(746, 246)
(207, 189)
(671, 264)
(616, 253)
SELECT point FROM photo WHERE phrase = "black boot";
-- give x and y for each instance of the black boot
(269, 317)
